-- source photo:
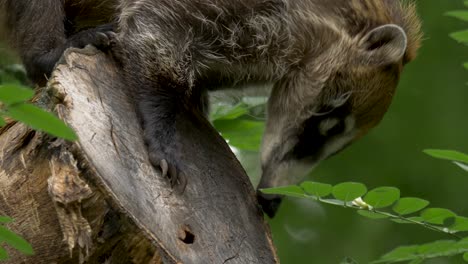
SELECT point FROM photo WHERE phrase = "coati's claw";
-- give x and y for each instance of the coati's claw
(100, 37)
(164, 167)
(170, 171)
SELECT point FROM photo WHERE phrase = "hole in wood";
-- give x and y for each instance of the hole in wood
(186, 236)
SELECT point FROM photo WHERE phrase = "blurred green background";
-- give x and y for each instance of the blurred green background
(430, 110)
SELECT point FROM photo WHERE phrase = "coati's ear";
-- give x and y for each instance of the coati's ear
(384, 45)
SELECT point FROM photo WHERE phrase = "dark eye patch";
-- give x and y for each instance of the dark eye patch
(311, 140)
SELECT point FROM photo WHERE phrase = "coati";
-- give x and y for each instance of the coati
(333, 64)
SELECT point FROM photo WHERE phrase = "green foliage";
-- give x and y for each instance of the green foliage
(13, 97)
(441, 248)
(237, 122)
(12, 239)
(447, 155)
(458, 158)
(460, 36)
(377, 204)
(349, 191)
(409, 205)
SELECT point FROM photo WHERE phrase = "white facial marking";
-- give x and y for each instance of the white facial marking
(327, 124)
(338, 142)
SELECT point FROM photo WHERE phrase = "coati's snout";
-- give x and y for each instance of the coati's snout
(349, 98)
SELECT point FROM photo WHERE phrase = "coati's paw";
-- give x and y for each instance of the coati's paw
(101, 37)
(169, 170)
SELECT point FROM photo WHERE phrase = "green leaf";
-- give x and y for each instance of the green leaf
(292, 190)
(408, 205)
(461, 224)
(460, 14)
(382, 196)
(3, 254)
(404, 253)
(11, 94)
(242, 134)
(39, 119)
(460, 36)
(416, 261)
(371, 215)
(439, 248)
(5, 219)
(349, 191)
(461, 165)
(447, 155)
(15, 241)
(228, 112)
(465, 257)
(465, 65)
(317, 189)
(2, 122)
(436, 215)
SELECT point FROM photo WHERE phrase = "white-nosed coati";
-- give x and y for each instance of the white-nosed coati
(334, 65)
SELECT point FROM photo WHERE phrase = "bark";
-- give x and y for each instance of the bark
(98, 200)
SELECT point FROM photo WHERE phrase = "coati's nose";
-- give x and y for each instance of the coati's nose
(269, 203)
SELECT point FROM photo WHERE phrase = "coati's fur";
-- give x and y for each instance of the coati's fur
(334, 66)
(41, 30)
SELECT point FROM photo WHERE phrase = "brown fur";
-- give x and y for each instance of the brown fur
(333, 64)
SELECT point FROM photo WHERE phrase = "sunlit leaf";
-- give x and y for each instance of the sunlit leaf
(382, 196)
(316, 188)
(447, 155)
(15, 241)
(3, 254)
(242, 134)
(461, 165)
(404, 253)
(460, 36)
(439, 248)
(5, 219)
(228, 112)
(460, 14)
(372, 215)
(465, 257)
(10, 94)
(293, 190)
(349, 191)
(461, 224)
(465, 65)
(436, 215)
(408, 205)
(39, 119)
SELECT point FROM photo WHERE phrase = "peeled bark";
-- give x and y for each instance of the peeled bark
(99, 199)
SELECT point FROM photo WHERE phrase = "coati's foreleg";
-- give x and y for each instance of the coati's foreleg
(39, 31)
(164, 110)
(39, 66)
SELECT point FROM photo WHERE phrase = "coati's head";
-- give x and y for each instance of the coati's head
(329, 103)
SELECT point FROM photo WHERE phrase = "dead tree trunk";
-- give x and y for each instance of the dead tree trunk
(99, 200)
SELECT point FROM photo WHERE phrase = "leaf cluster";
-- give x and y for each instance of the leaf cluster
(13, 240)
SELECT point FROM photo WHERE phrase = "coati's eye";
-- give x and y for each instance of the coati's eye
(331, 126)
